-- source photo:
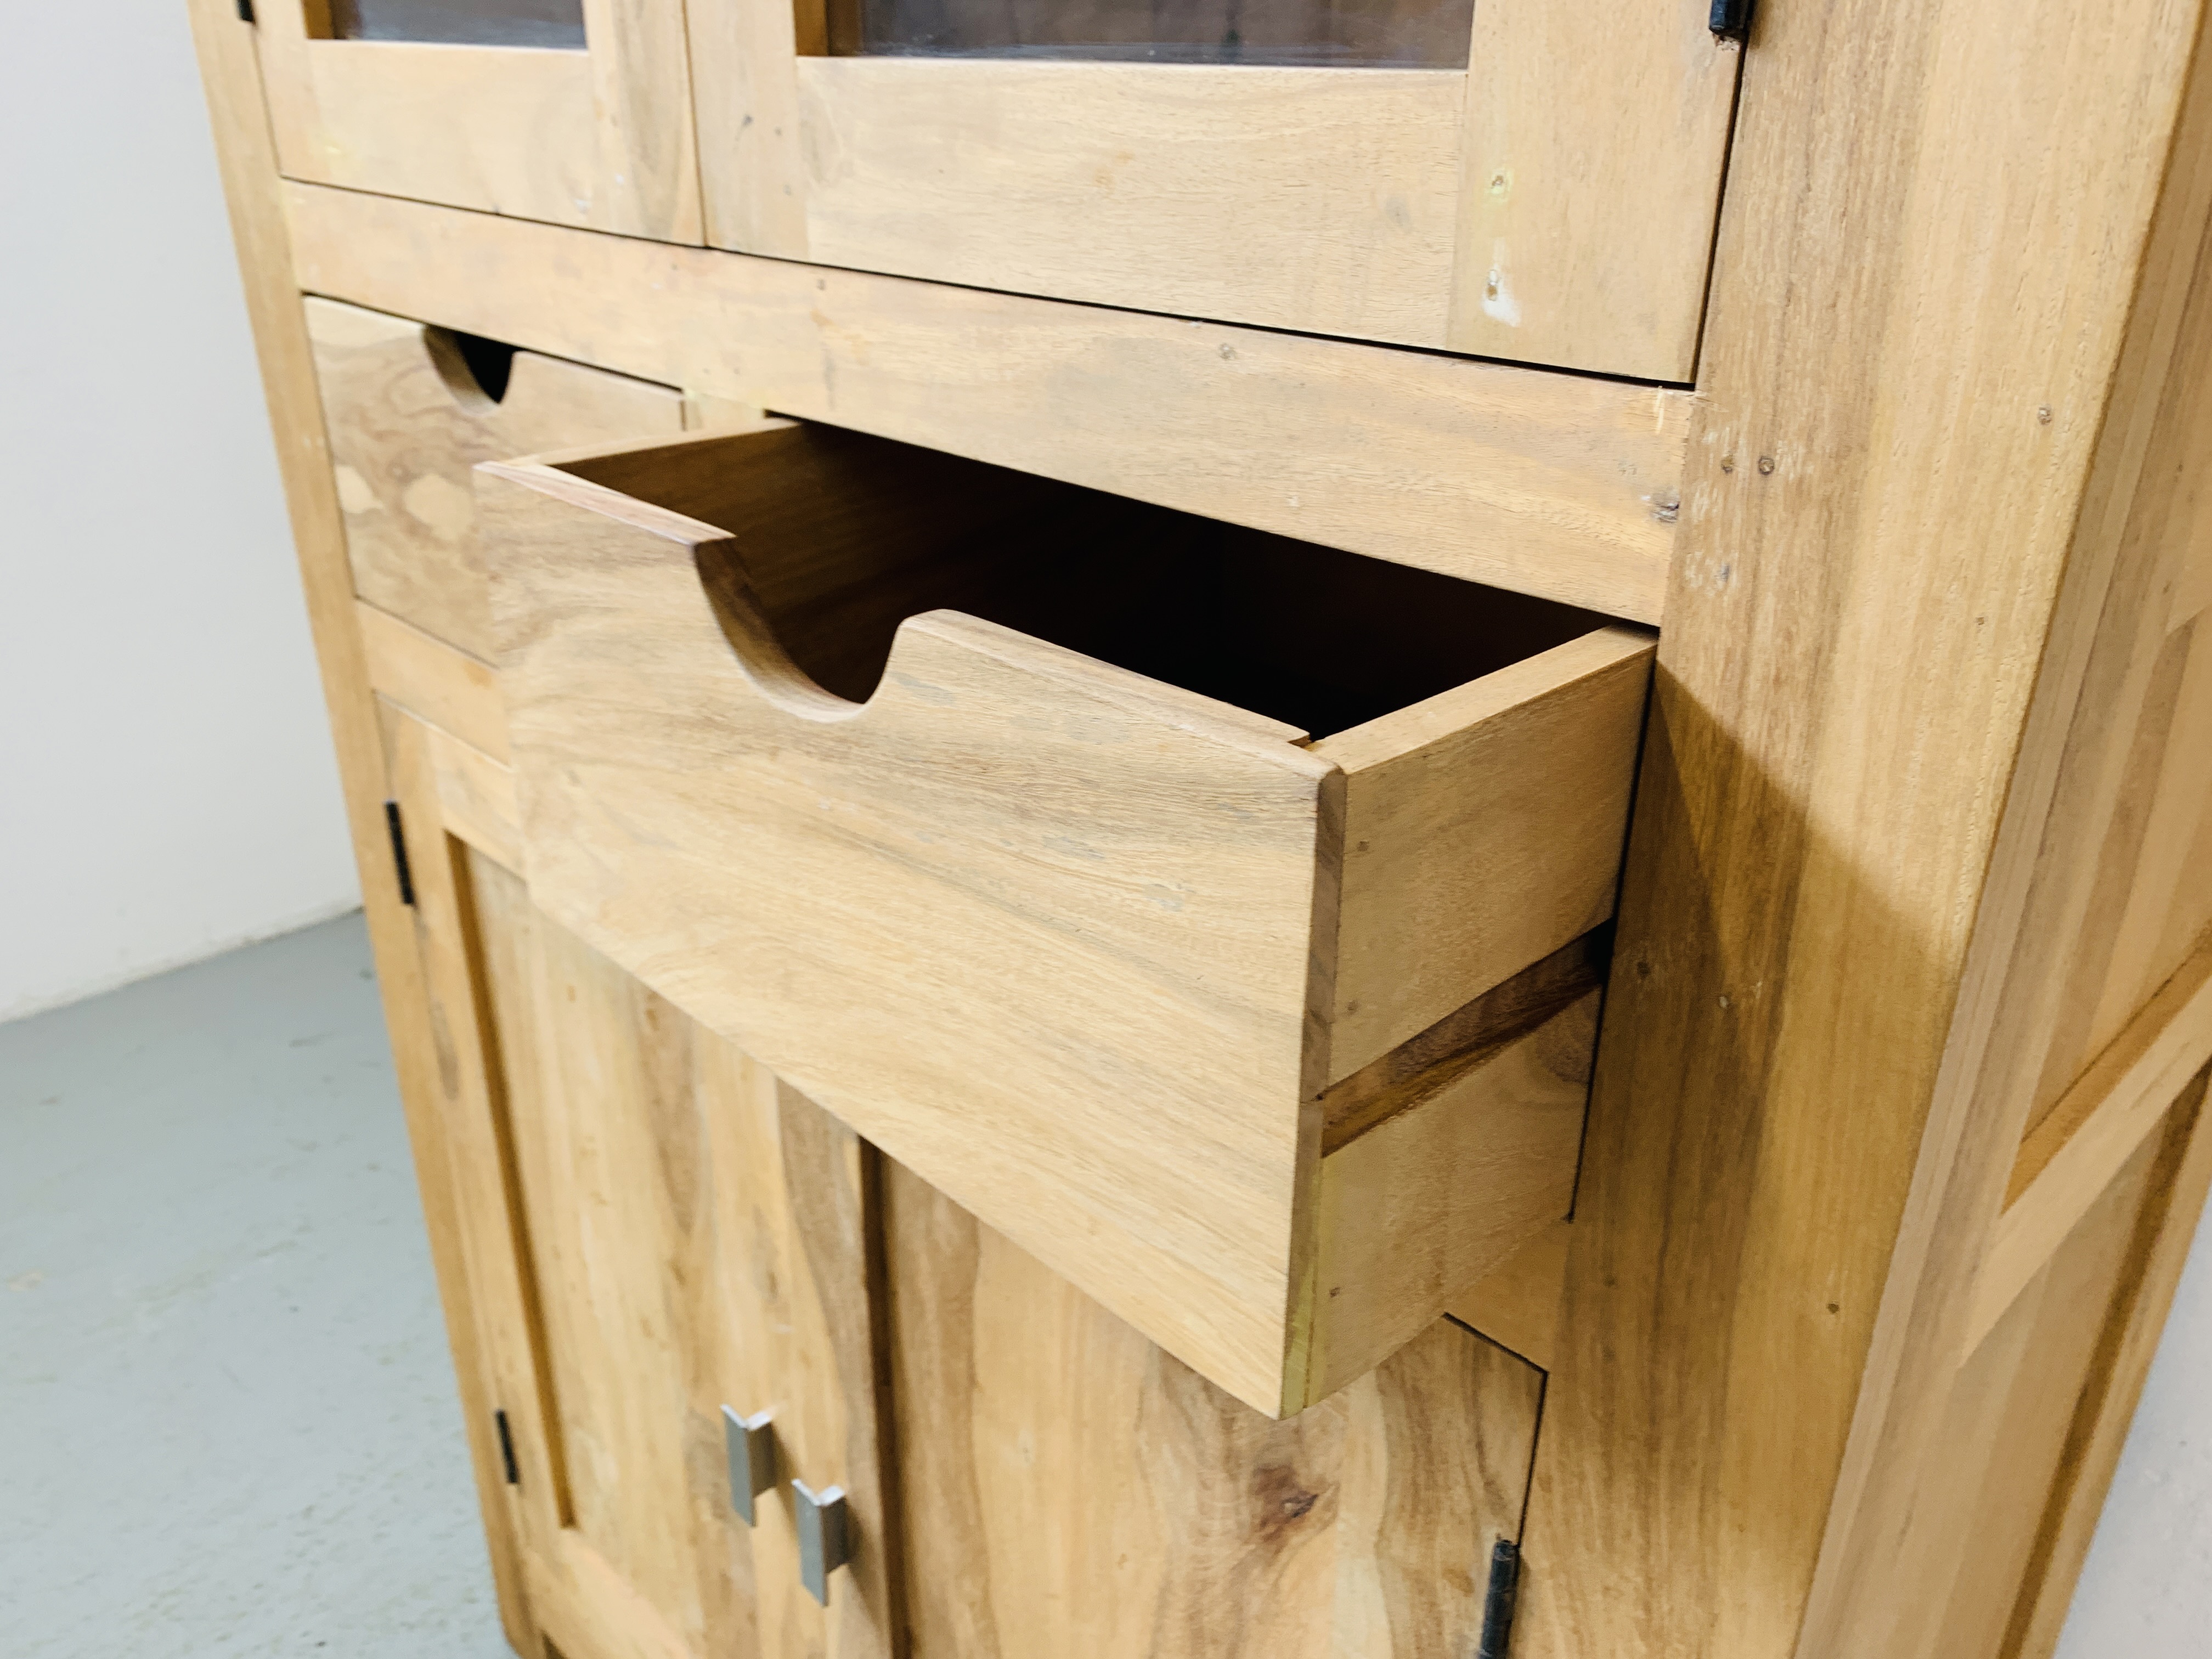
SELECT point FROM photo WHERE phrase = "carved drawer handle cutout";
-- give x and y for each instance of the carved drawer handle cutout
(833, 539)
(476, 370)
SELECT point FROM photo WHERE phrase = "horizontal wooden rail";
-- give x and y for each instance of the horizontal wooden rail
(440, 686)
(2087, 1138)
(1560, 485)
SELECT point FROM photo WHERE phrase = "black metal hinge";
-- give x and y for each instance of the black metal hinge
(246, 11)
(1732, 17)
(399, 852)
(507, 1448)
(1497, 1605)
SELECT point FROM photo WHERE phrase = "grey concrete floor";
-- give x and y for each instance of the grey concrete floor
(227, 1424)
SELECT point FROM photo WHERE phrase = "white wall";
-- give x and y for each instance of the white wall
(2147, 1591)
(165, 785)
(167, 789)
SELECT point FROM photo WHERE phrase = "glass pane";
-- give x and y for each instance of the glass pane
(1338, 33)
(464, 22)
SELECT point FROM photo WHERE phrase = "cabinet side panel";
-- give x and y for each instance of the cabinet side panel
(2099, 792)
(2138, 765)
(1936, 343)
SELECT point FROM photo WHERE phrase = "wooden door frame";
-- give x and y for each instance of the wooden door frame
(1554, 204)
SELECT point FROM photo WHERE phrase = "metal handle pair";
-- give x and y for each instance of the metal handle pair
(824, 1537)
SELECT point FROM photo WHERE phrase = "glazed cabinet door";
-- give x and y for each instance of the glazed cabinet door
(658, 1239)
(574, 112)
(1534, 180)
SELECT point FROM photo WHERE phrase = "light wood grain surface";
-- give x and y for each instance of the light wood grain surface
(2004, 1444)
(1544, 483)
(2072, 810)
(601, 138)
(436, 682)
(474, 795)
(661, 1230)
(472, 1120)
(407, 421)
(1130, 891)
(1317, 199)
(1444, 885)
(752, 172)
(2106, 1403)
(2141, 749)
(2078, 1151)
(1517, 1304)
(1068, 1485)
(1434, 1197)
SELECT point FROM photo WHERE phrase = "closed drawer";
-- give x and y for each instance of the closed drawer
(984, 809)
(411, 409)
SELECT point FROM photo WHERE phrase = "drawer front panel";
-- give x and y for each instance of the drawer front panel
(408, 420)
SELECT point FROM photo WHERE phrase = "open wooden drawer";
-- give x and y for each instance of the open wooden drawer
(982, 808)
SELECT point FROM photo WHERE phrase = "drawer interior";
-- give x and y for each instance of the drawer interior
(835, 538)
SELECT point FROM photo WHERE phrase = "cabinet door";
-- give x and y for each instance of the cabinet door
(575, 112)
(1535, 180)
(654, 1230)
(1068, 1488)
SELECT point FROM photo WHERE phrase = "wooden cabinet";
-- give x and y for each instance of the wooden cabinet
(1002, 868)
(651, 1228)
(653, 1234)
